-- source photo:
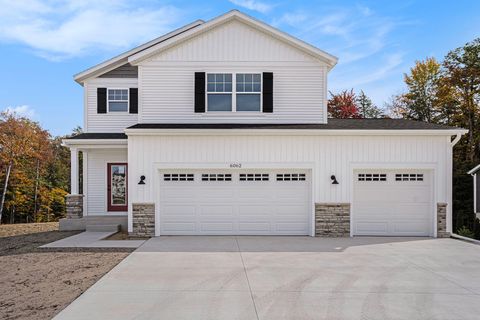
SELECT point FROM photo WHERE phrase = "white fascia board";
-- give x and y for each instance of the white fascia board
(291, 132)
(235, 14)
(95, 143)
(474, 170)
(121, 59)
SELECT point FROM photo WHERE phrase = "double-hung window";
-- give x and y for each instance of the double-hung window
(234, 92)
(219, 88)
(248, 92)
(117, 100)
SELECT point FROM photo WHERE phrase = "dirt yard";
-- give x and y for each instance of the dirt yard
(38, 283)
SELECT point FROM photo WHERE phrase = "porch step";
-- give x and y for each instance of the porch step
(103, 227)
(71, 224)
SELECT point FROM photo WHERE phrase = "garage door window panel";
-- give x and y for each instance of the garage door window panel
(254, 177)
(409, 177)
(216, 177)
(372, 177)
(178, 177)
(291, 177)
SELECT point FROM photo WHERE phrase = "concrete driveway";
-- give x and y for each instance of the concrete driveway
(288, 278)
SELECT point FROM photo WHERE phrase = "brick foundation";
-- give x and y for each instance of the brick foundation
(74, 204)
(442, 221)
(143, 219)
(332, 219)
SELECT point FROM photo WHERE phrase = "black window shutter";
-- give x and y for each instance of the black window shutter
(268, 92)
(101, 100)
(133, 107)
(199, 91)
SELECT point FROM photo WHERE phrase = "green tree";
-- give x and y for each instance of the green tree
(449, 93)
(366, 108)
(421, 98)
(20, 140)
(462, 75)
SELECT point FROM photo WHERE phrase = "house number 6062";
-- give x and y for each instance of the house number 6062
(235, 165)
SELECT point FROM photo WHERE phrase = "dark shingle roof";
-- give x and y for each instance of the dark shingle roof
(94, 135)
(333, 124)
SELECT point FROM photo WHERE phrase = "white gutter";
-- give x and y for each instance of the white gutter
(474, 170)
(457, 138)
(97, 142)
(295, 132)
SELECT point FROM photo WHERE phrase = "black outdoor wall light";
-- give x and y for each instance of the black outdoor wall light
(142, 180)
(334, 179)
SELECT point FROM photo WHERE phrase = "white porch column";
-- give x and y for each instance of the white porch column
(73, 171)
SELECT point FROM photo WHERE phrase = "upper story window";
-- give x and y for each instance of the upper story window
(248, 91)
(219, 88)
(117, 100)
(241, 92)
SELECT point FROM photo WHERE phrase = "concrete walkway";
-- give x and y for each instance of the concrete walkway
(288, 278)
(89, 239)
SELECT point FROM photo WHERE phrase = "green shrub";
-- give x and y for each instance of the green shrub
(465, 232)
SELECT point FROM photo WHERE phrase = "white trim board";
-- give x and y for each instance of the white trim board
(290, 132)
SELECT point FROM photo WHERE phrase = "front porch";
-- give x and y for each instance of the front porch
(94, 202)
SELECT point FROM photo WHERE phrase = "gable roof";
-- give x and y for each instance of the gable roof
(474, 170)
(122, 59)
(239, 16)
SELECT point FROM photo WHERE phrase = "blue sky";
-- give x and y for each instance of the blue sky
(44, 43)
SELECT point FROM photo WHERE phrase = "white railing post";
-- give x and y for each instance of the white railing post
(73, 171)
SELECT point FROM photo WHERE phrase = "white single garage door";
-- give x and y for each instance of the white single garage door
(240, 202)
(393, 203)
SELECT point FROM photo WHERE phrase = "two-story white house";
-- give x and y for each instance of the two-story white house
(220, 128)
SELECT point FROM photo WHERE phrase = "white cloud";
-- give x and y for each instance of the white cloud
(253, 5)
(23, 110)
(353, 33)
(63, 29)
(386, 67)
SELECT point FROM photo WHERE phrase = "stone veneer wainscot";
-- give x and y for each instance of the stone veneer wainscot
(143, 218)
(332, 219)
(442, 221)
(74, 205)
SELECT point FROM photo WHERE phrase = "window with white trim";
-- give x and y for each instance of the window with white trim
(230, 92)
(219, 92)
(248, 91)
(117, 100)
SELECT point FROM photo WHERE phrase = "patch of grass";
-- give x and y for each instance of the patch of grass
(465, 232)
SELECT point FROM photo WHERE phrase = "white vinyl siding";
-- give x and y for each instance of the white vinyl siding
(326, 155)
(110, 121)
(96, 182)
(166, 81)
(167, 94)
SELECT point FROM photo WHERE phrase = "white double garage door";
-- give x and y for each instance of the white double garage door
(279, 202)
(240, 202)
